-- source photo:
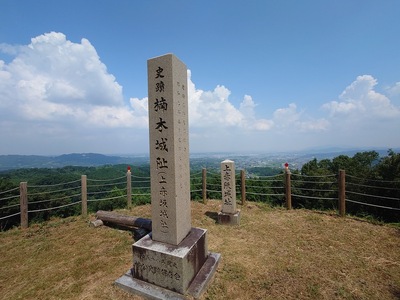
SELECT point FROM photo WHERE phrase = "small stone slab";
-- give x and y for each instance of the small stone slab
(150, 291)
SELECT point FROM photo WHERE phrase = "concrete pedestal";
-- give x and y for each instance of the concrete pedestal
(230, 219)
(164, 271)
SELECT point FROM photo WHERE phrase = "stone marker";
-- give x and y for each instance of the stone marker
(174, 258)
(169, 149)
(229, 214)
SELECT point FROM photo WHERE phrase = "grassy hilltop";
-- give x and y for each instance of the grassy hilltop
(273, 254)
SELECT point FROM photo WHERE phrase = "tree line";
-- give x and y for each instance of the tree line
(314, 186)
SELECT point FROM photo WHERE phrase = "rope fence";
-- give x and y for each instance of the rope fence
(315, 191)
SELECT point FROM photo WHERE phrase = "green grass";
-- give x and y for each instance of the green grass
(273, 254)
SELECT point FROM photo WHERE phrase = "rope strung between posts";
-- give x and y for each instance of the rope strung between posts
(52, 185)
(103, 180)
(51, 208)
(140, 181)
(10, 197)
(305, 181)
(373, 186)
(134, 176)
(214, 191)
(107, 184)
(261, 194)
(375, 196)
(309, 197)
(52, 192)
(147, 194)
(4, 192)
(267, 176)
(10, 206)
(264, 187)
(314, 190)
(105, 199)
(195, 174)
(374, 205)
(315, 176)
(375, 180)
(9, 216)
(264, 180)
(141, 187)
(55, 199)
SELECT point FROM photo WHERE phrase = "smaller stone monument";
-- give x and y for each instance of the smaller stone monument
(229, 214)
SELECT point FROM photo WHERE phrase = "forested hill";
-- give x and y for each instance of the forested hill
(10, 162)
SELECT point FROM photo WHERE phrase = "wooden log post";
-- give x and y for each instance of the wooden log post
(23, 202)
(125, 221)
(342, 193)
(84, 195)
(204, 185)
(288, 190)
(129, 188)
(243, 186)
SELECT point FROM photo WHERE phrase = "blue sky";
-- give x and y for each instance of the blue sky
(264, 76)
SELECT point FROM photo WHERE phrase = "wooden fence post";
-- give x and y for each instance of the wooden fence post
(84, 195)
(129, 188)
(288, 190)
(204, 185)
(243, 186)
(23, 202)
(342, 193)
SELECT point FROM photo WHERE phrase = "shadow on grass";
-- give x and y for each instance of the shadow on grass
(213, 215)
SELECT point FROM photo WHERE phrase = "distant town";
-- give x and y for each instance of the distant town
(209, 160)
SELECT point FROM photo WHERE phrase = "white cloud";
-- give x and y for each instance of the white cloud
(360, 101)
(395, 90)
(290, 119)
(53, 78)
(213, 108)
(58, 87)
(57, 90)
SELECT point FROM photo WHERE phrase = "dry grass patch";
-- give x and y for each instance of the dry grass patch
(273, 254)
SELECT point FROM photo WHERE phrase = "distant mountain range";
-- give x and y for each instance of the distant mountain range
(296, 159)
(9, 162)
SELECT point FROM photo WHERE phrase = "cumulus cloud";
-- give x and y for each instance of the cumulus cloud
(54, 88)
(213, 108)
(55, 79)
(360, 101)
(290, 118)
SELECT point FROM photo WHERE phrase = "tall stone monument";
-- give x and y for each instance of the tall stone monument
(169, 149)
(229, 214)
(173, 260)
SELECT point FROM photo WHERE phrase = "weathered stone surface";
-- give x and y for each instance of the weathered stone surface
(228, 184)
(229, 219)
(169, 149)
(169, 266)
(173, 260)
(150, 291)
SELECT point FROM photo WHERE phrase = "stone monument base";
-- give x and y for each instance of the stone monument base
(230, 219)
(164, 271)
